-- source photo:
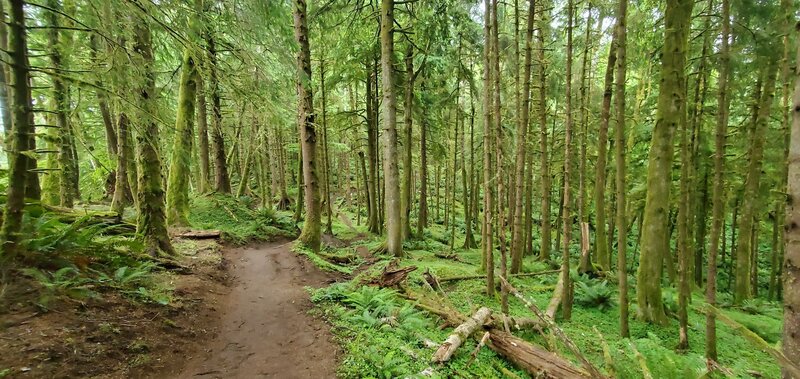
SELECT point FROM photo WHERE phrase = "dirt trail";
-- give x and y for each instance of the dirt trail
(264, 328)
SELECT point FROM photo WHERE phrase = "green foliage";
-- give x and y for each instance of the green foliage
(66, 281)
(595, 294)
(662, 362)
(51, 241)
(238, 219)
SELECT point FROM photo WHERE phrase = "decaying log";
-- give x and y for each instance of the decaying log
(451, 256)
(483, 276)
(536, 361)
(554, 328)
(461, 333)
(198, 234)
(393, 275)
(431, 279)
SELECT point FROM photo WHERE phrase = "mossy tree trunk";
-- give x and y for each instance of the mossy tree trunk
(122, 189)
(743, 288)
(20, 132)
(566, 297)
(602, 257)
(670, 114)
(152, 224)
(372, 151)
(517, 234)
(619, 147)
(394, 232)
(486, 230)
(408, 120)
(222, 180)
(204, 180)
(310, 236)
(791, 260)
(180, 164)
(544, 159)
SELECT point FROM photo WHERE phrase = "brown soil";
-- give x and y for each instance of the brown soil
(110, 336)
(265, 330)
(244, 316)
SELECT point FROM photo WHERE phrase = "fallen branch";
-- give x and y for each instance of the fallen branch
(642, 362)
(749, 335)
(450, 256)
(554, 328)
(481, 343)
(555, 301)
(483, 276)
(461, 333)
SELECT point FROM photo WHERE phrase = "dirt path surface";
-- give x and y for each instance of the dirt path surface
(265, 330)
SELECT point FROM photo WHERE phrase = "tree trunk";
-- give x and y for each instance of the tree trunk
(222, 181)
(372, 153)
(670, 113)
(394, 232)
(327, 165)
(544, 252)
(21, 129)
(791, 260)
(460, 334)
(310, 236)
(202, 137)
(180, 164)
(601, 253)
(422, 213)
(408, 119)
(619, 147)
(517, 234)
(486, 237)
(743, 289)
(152, 218)
(122, 188)
(566, 302)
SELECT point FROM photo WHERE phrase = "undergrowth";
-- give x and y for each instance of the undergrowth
(239, 220)
(366, 323)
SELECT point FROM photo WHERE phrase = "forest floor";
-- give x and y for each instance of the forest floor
(108, 335)
(264, 328)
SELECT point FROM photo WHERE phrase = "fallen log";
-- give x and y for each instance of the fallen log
(554, 328)
(536, 361)
(555, 301)
(450, 256)
(393, 275)
(461, 333)
(481, 344)
(338, 259)
(199, 234)
(483, 276)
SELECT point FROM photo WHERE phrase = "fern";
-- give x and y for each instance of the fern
(595, 294)
(66, 281)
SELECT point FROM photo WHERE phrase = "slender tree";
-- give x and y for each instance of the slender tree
(566, 298)
(310, 236)
(619, 148)
(517, 242)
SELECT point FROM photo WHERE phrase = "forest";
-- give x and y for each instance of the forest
(400, 189)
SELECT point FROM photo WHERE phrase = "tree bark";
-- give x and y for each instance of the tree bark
(460, 334)
(486, 238)
(619, 147)
(670, 113)
(180, 164)
(394, 232)
(21, 130)
(152, 218)
(222, 181)
(310, 235)
(544, 252)
(743, 288)
(791, 259)
(517, 234)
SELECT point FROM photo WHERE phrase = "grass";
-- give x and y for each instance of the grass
(387, 351)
